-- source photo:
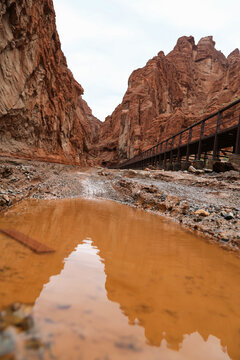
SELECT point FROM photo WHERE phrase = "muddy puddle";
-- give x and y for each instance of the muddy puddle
(122, 284)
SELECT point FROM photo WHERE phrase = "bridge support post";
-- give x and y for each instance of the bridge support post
(200, 141)
(178, 164)
(157, 161)
(205, 158)
(165, 156)
(215, 146)
(237, 145)
(179, 145)
(160, 157)
(156, 155)
(161, 160)
(189, 140)
(171, 155)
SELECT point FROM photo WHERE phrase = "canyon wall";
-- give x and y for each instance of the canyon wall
(42, 113)
(167, 95)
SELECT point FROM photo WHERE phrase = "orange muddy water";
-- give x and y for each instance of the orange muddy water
(122, 284)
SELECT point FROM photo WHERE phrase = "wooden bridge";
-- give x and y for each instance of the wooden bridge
(214, 137)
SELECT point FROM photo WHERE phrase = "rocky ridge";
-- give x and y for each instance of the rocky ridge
(167, 95)
(42, 113)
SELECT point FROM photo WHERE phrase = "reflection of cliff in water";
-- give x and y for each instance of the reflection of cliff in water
(166, 280)
(171, 283)
(24, 273)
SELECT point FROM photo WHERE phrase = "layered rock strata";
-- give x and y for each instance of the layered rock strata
(42, 113)
(167, 95)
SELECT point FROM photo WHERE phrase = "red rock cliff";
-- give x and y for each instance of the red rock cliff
(42, 114)
(168, 94)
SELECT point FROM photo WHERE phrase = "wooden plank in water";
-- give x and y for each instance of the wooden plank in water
(27, 241)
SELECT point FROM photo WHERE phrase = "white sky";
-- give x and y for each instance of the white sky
(105, 40)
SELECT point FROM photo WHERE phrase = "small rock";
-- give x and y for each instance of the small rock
(33, 344)
(225, 240)
(150, 189)
(123, 183)
(6, 198)
(201, 212)
(130, 173)
(197, 219)
(2, 202)
(195, 171)
(103, 173)
(184, 207)
(161, 206)
(171, 202)
(6, 173)
(15, 306)
(7, 343)
(229, 216)
(27, 323)
(192, 169)
(228, 210)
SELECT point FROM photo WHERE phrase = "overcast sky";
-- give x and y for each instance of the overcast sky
(105, 40)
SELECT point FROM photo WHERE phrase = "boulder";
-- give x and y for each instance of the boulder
(202, 212)
(219, 166)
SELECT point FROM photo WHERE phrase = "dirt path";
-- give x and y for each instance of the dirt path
(207, 203)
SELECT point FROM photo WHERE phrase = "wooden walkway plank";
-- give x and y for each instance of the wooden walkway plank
(27, 241)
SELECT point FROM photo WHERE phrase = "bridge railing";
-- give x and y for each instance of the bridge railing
(213, 124)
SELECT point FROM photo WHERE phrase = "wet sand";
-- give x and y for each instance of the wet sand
(123, 283)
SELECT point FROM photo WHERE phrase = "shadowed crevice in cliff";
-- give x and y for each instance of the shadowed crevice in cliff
(167, 95)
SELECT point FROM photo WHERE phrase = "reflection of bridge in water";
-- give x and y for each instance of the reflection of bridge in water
(215, 136)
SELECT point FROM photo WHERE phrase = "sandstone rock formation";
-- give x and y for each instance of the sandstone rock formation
(167, 95)
(42, 113)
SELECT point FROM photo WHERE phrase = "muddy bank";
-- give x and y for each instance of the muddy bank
(207, 203)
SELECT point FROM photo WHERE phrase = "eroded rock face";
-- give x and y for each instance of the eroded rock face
(168, 94)
(42, 113)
